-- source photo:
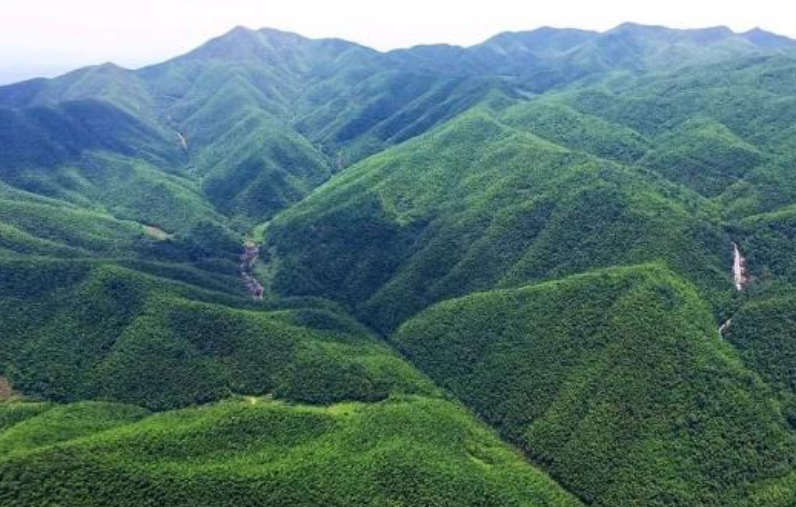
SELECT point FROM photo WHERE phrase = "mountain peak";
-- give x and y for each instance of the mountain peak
(243, 44)
(631, 26)
(109, 66)
(239, 29)
(766, 39)
(255, 45)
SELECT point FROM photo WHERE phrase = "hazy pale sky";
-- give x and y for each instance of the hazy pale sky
(47, 37)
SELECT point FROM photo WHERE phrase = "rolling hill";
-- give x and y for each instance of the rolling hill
(411, 451)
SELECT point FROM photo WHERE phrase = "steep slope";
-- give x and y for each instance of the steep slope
(768, 237)
(477, 203)
(704, 155)
(108, 83)
(520, 173)
(93, 330)
(266, 115)
(260, 117)
(482, 201)
(92, 159)
(548, 58)
(48, 136)
(724, 130)
(762, 332)
(615, 381)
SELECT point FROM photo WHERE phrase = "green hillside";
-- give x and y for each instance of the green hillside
(279, 270)
(479, 203)
(403, 452)
(94, 330)
(762, 332)
(615, 381)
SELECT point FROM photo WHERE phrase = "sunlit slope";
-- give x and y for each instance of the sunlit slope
(617, 382)
(257, 118)
(725, 130)
(267, 115)
(403, 452)
(91, 157)
(164, 338)
(478, 203)
(762, 332)
(565, 202)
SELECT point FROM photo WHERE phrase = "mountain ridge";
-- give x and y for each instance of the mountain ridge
(215, 269)
(757, 36)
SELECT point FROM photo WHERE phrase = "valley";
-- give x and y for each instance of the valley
(278, 270)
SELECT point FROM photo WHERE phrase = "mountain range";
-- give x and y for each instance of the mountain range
(551, 269)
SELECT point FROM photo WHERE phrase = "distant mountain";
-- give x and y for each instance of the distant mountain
(313, 105)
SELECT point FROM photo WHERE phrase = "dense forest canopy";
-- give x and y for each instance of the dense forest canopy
(552, 269)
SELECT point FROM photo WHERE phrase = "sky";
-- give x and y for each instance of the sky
(49, 37)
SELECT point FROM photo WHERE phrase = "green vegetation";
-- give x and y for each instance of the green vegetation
(768, 238)
(615, 381)
(540, 226)
(763, 333)
(99, 331)
(403, 452)
(480, 203)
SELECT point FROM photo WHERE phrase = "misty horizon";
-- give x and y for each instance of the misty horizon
(45, 38)
(19, 73)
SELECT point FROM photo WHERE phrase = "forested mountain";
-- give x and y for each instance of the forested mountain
(552, 269)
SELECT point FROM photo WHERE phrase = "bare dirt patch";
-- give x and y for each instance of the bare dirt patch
(248, 259)
(157, 233)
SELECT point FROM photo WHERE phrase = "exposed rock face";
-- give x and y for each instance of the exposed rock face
(739, 274)
(183, 141)
(248, 259)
